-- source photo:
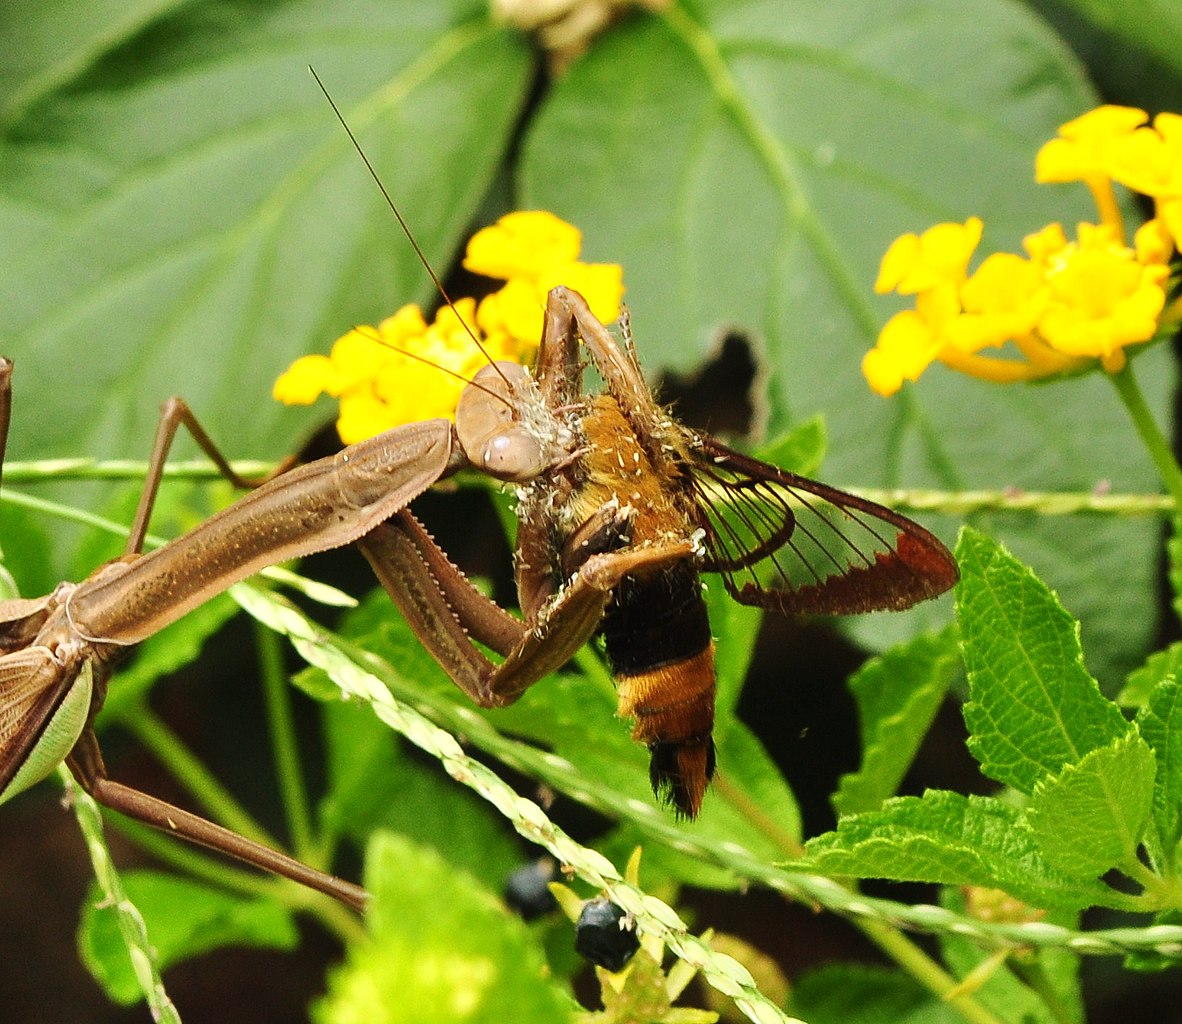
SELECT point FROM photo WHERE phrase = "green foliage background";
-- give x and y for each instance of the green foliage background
(180, 213)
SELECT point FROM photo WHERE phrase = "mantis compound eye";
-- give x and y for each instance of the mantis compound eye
(490, 429)
(512, 455)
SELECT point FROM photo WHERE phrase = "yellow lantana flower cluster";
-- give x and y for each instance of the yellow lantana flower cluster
(1067, 302)
(406, 369)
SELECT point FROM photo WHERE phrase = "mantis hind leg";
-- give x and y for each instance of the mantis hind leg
(86, 764)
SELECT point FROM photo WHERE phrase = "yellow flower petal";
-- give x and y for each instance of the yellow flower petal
(914, 263)
(411, 391)
(355, 358)
(1169, 213)
(1101, 298)
(1044, 245)
(517, 310)
(406, 324)
(1003, 299)
(304, 381)
(522, 244)
(906, 347)
(362, 416)
(1153, 242)
(601, 284)
(1149, 160)
(1086, 146)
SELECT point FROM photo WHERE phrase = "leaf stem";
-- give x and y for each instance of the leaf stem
(1035, 978)
(737, 798)
(1151, 436)
(925, 970)
(131, 922)
(281, 725)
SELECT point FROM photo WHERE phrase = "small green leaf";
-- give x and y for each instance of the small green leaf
(949, 838)
(184, 919)
(372, 784)
(1034, 707)
(1160, 724)
(1141, 681)
(898, 695)
(1091, 816)
(801, 450)
(1005, 988)
(443, 949)
(854, 994)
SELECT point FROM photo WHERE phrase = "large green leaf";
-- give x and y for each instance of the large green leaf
(181, 212)
(949, 838)
(749, 162)
(1131, 47)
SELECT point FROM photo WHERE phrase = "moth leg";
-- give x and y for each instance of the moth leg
(574, 614)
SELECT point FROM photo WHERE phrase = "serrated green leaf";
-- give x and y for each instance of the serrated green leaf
(1033, 706)
(443, 949)
(1160, 725)
(898, 695)
(1159, 666)
(184, 919)
(949, 838)
(857, 994)
(1091, 816)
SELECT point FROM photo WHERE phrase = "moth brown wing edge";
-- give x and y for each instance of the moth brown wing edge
(916, 567)
(890, 584)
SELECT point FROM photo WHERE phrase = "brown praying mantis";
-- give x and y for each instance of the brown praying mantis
(620, 508)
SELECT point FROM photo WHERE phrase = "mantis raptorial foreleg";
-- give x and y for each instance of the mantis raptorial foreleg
(443, 608)
(447, 612)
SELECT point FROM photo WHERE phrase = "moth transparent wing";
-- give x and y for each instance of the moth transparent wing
(783, 541)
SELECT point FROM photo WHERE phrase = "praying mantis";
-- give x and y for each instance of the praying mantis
(619, 509)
